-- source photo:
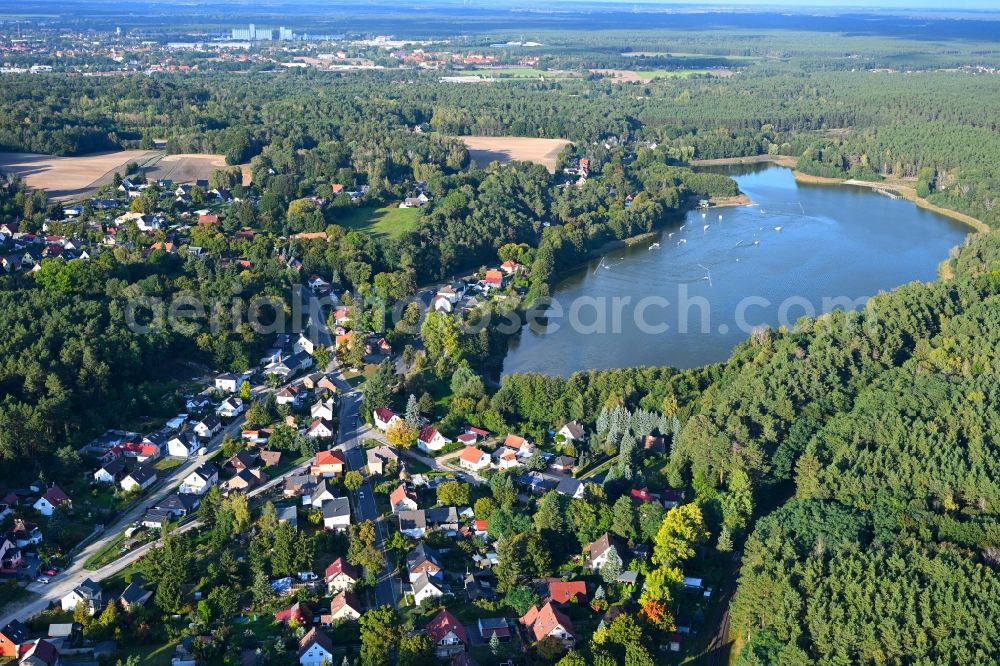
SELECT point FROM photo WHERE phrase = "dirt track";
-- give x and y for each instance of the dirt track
(503, 149)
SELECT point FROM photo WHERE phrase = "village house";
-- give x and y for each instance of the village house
(402, 499)
(384, 417)
(379, 458)
(315, 649)
(474, 459)
(39, 653)
(111, 473)
(505, 458)
(448, 634)
(323, 409)
(320, 428)
(140, 478)
(600, 550)
(199, 481)
(413, 524)
(52, 499)
(182, 446)
(564, 592)
(423, 560)
(430, 440)
(563, 464)
(207, 427)
(549, 622)
(298, 612)
(24, 534)
(328, 464)
(11, 558)
(494, 279)
(134, 596)
(341, 576)
(572, 432)
(87, 593)
(319, 494)
(244, 460)
(230, 408)
(425, 588)
(521, 445)
(570, 487)
(337, 514)
(288, 396)
(345, 607)
(442, 518)
(12, 637)
(511, 267)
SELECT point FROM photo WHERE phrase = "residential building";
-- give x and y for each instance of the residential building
(549, 622)
(12, 637)
(134, 596)
(182, 446)
(413, 524)
(323, 409)
(380, 458)
(315, 649)
(488, 627)
(345, 607)
(228, 382)
(570, 487)
(52, 499)
(341, 576)
(208, 426)
(140, 478)
(423, 559)
(11, 558)
(199, 481)
(403, 499)
(337, 514)
(230, 408)
(424, 588)
(320, 429)
(474, 459)
(384, 417)
(572, 432)
(88, 593)
(328, 464)
(564, 592)
(599, 551)
(430, 440)
(111, 473)
(448, 634)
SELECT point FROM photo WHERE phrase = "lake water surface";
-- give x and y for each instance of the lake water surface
(836, 246)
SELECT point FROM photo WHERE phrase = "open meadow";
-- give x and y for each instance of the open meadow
(503, 149)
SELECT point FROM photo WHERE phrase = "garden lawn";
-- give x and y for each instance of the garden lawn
(388, 221)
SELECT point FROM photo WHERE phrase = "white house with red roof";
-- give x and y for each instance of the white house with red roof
(549, 622)
(384, 417)
(448, 634)
(341, 576)
(430, 440)
(50, 500)
(521, 445)
(474, 459)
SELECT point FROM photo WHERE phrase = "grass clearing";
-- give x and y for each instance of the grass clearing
(387, 222)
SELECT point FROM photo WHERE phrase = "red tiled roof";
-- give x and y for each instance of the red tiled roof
(444, 622)
(339, 566)
(471, 455)
(329, 457)
(563, 592)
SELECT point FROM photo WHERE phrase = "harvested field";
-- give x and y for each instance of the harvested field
(70, 177)
(503, 149)
(185, 168)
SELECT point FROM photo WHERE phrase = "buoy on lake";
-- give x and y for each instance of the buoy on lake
(777, 228)
(706, 228)
(720, 216)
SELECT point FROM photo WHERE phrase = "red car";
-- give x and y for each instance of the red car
(50, 572)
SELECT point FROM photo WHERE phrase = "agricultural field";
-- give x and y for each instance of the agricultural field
(386, 221)
(187, 168)
(503, 149)
(70, 177)
(642, 76)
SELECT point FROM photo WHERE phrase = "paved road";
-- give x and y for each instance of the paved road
(352, 427)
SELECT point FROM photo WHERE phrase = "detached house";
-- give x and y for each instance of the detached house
(320, 429)
(413, 524)
(424, 588)
(315, 649)
(52, 499)
(548, 622)
(430, 440)
(601, 550)
(448, 634)
(345, 607)
(328, 464)
(227, 382)
(10, 556)
(341, 576)
(385, 417)
(182, 446)
(572, 432)
(199, 481)
(402, 499)
(337, 514)
(230, 408)
(423, 560)
(379, 458)
(474, 459)
(12, 637)
(323, 409)
(208, 426)
(140, 478)
(111, 473)
(88, 593)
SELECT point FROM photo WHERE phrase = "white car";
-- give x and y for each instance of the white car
(43, 580)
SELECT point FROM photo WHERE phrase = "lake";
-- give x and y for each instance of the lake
(798, 249)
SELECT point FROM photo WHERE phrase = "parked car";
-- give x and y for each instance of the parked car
(50, 572)
(43, 580)
(307, 575)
